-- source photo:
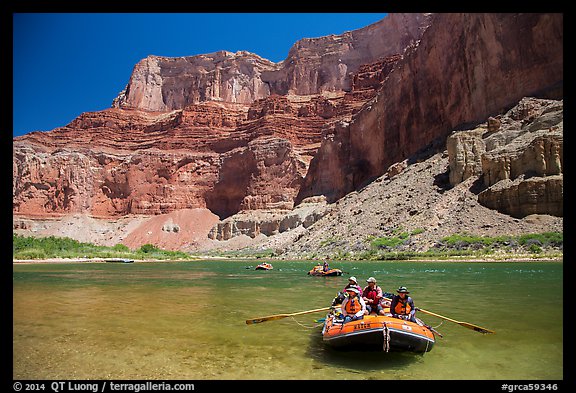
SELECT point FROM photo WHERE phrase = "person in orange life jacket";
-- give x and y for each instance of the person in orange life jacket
(402, 305)
(353, 306)
(372, 295)
(352, 283)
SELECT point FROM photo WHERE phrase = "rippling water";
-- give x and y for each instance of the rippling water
(186, 320)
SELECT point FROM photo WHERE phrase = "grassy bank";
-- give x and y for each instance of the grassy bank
(543, 246)
(30, 248)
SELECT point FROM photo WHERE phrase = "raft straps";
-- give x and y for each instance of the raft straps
(386, 334)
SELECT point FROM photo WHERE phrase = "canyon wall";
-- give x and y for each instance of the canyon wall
(207, 131)
(313, 66)
(465, 68)
(233, 133)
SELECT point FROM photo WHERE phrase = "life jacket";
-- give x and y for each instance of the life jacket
(402, 307)
(353, 305)
(372, 294)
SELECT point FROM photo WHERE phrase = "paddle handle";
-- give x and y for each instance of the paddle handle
(281, 316)
(309, 311)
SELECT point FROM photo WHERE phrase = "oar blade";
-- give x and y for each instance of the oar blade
(264, 319)
(476, 328)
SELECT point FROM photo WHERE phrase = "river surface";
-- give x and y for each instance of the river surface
(186, 320)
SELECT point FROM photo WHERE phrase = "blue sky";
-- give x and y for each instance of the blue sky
(66, 64)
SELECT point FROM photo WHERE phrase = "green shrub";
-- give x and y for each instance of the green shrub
(389, 242)
(30, 253)
(121, 247)
(148, 248)
(535, 248)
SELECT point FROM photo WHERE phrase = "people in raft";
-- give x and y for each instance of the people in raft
(352, 283)
(402, 306)
(372, 296)
(353, 306)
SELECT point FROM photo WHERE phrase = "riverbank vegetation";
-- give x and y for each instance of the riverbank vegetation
(399, 247)
(24, 248)
(547, 245)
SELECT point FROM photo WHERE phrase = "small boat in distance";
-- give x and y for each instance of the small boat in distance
(264, 266)
(319, 271)
(119, 260)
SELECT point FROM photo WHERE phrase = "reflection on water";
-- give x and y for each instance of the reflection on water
(186, 320)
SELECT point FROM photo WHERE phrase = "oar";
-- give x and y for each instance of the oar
(465, 324)
(280, 316)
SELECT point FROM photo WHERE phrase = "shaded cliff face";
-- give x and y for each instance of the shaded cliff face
(465, 68)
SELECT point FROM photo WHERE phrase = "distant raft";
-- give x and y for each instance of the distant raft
(319, 271)
(119, 260)
(264, 266)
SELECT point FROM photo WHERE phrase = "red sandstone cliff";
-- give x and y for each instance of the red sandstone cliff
(313, 66)
(207, 131)
(233, 132)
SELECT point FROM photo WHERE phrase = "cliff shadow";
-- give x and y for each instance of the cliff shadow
(235, 173)
(442, 181)
(478, 186)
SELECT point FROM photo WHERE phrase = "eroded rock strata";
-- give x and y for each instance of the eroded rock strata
(246, 144)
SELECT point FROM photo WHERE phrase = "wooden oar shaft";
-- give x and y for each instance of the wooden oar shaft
(465, 324)
(309, 311)
(281, 316)
(437, 315)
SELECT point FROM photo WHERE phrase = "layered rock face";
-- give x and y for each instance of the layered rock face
(164, 84)
(117, 162)
(520, 159)
(313, 66)
(246, 140)
(269, 222)
(153, 170)
(217, 131)
(465, 68)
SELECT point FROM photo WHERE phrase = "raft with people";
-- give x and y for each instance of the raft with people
(377, 333)
(356, 323)
(324, 270)
(264, 266)
(390, 327)
(318, 271)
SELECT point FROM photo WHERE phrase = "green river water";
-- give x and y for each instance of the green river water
(186, 320)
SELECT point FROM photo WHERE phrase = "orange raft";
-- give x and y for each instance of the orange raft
(377, 333)
(319, 271)
(264, 266)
